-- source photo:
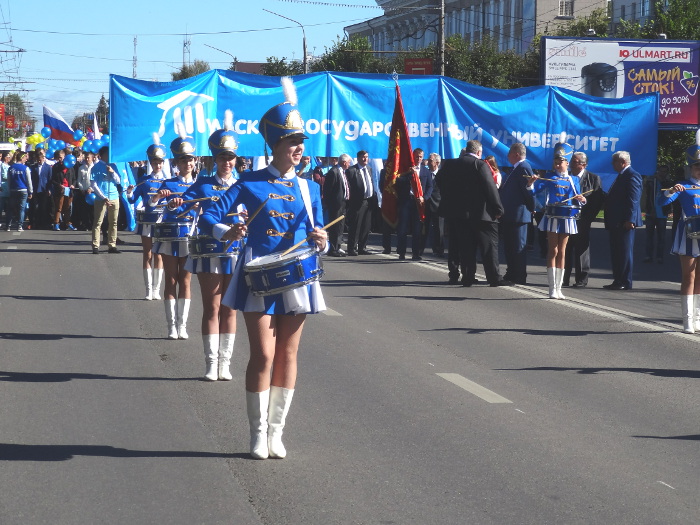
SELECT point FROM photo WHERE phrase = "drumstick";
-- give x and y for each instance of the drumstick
(686, 187)
(171, 193)
(250, 219)
(232, 214)
(566, 200)
(213, 199)
(540, 178)
(309, 237)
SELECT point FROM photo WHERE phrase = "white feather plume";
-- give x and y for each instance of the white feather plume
(180, 128)
(228, 120)
(697, 137)
(562, 137)
(156, 139)
(290, 92)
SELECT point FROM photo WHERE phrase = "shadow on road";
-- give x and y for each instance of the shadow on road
(13, 452)
(658, 372)
(63, 377)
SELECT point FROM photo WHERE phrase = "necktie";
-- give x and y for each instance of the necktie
(345, 182)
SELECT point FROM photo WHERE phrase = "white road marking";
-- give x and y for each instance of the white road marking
(475, 388)
(12, 247)
(5, 270)
(666, 484)
(332, 313)
(518, 410)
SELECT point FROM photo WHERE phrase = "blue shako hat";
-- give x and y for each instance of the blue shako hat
(183, 146)
(282, 120)
(693, 152)
(562, 150)
(224, 140)
(156, 150)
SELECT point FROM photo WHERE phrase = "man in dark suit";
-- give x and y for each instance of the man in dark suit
(431, 225)
(622, 216)
(408, 205)
(363, 198)
(471, 206)
(336, 193)
(578, 254)
(518, 204)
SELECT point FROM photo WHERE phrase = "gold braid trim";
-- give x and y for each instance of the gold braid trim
(288, 198)
(274, 233)
(285, 215)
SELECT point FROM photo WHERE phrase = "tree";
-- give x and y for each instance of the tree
(352, 55)
(279, 67)
(191, 70)
(598, 21)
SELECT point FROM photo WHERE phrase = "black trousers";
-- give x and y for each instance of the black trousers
(465, 237)
(578, 254)
(359, 222)
(335, 232)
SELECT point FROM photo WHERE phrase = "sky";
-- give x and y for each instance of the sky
(71, 49)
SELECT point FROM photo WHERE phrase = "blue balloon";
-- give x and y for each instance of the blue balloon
(97, 145)
(105, 140)
(41, 145)
(90, 198)
(77, 135)
(45, 132)
(69, 161)
(52, 143)
(87, 146)
(50, 152)
(60, 144)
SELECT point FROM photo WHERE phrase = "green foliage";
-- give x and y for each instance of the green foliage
(353, 55)
(279, 67)
(191, 70)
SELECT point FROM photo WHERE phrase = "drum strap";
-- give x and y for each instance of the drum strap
(306, 197)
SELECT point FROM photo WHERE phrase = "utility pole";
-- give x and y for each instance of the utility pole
(186, 52)
(441, 37)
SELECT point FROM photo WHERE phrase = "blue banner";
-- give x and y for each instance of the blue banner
(348, 112)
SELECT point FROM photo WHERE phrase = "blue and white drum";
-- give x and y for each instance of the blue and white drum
(692, 227)
(562, 211)
(277, 273)
(171, 231)
(149, 216)
(201, 246)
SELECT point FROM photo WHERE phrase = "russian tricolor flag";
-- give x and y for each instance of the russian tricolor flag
(60, 130)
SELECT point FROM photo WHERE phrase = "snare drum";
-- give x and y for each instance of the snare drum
(692, 227)
(149, 216)
(562, 211)
(171, 231)
(276, 273)
(205, 246)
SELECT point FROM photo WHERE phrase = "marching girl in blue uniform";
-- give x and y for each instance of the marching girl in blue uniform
(559, 188)
(177, 278)
(274, 323)
(147, 186)
(685, 243)
(214, 273)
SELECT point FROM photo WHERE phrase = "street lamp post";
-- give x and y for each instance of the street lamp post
(303, 32)
(234, 60)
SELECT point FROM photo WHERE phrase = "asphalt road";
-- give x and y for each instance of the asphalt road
(417, 402)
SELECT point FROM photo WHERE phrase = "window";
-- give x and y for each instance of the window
(566, 8)
(644, 6)
(622, 11)
(634, 11)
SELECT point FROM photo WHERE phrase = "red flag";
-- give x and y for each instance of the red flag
(400, 160)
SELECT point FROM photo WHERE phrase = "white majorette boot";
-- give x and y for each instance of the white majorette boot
(688, 309)
(257, 403)
(183, 312)
(558, 279)
(171, 317)
(551, 282)
(157, 279)
(148, 281)
(280, 399)
(225, 353)
(211, 353)
(696, 303)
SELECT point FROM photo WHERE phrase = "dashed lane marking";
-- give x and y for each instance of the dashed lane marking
(332, 313)
(475, 388)
(5, 270)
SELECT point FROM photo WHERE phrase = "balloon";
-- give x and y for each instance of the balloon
(41, 145)
(105, 140)
(69, 161)
(50, 152)
(87, 146)
(90, 198)
(83, 141)
(97, 145)
(77, 135)
(60, 144)
(46, 132)
(90, 135)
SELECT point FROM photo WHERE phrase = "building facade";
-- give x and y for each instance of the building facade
(513, 24)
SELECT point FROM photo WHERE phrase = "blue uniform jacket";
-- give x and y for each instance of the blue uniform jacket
(690, 198)
(518, 202)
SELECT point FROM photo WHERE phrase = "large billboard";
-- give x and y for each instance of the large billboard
(611, 68)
